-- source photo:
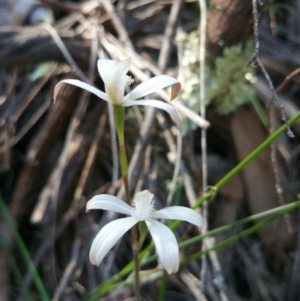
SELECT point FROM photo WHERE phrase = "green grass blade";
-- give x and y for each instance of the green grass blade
(24, 252)
(229, 241)
(15, 269)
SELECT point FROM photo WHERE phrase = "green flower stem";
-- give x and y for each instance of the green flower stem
(24, 252)
(119, 114)
(161, 296)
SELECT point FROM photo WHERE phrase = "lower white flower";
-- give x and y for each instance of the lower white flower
(143, 210)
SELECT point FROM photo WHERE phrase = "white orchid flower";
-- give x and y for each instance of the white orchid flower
(115, 78)
(142, 210)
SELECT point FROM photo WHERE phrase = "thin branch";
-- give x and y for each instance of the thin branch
(117, 22)
(287, 79)
(166, 47)
(202, 88)
(68, 272)
(276, 169)
(60, 44)
(256, 58)
(203, 21)
(294, 283)
(163, 59)
(216, 268)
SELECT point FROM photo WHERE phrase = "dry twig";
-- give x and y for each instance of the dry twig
(256, 58)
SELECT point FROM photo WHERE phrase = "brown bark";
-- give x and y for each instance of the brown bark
(258, 176)
(229, 22)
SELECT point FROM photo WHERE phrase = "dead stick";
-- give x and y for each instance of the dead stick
(256, 58)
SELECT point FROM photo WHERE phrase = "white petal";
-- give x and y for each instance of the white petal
(108, 237)
(151, 85)
(116, 82)
(179, 213)
(108, 202)
(166, 245)
(104, 68)
(86, 87)
(157, 104)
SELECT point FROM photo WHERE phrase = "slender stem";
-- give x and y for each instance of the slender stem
(204, 265)
(119, 113)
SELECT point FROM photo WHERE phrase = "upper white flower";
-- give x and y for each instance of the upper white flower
(142, 210)
(115, 78)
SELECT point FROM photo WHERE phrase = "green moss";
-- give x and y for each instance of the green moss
(229, 84)
(228, 81)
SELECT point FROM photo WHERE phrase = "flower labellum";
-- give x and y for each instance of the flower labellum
(115, 78)
(142, 210)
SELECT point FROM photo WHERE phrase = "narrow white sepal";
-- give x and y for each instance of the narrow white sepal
(108, 202)
(179, 213)
(150, 86)
(108, 237)
(165, 244)
(171, 110)
(104, 68)
(87, 87)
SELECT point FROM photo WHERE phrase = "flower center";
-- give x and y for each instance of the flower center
(130, 80)
(143, 205)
